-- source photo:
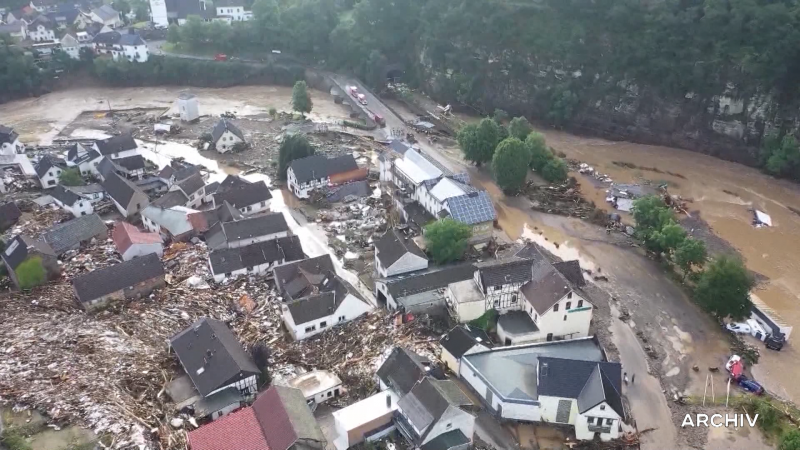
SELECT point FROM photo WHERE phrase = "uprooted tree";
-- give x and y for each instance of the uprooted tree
(293, 147)
(447, 240)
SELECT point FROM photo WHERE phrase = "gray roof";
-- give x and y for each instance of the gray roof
(530, 251)
(217, 401)
(546, 288)
(92, 188)
(357, 189)
(10, 28)
(516, 323)
(231, 259)
(106, 167)
(175, 221)
(135, 162)
(329, 292)
(46, 163)
(572, 272)
(232, 181)
(244, 195)
(295, 280)
(211, 188)
(65, 196)
(170, 199)
(428, 400)
(393, 245)
(223, 125)
(504, 271)
(88, 156)
(191, 184)
(131, 39)
(25, 246)
(318, 166)
(69, 235)
(472, 208)
(210, 345)
(106, 12)
(462, 338)
(120, 189)
(401, 370)
(116, 144)
(255, 226)
(429, 281)
(511, 372)
(9, 214)
(446, 441)
(107, 38)
(601, 388)
(399, 146)
(7, 135)
(100, 282)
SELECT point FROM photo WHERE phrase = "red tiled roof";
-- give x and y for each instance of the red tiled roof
(198, 221)
(275, 422)
(124, 235)
(237, 431)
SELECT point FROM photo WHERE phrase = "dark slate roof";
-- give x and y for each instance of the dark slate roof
(131, 39)
(546, 288)
(567, 378)
(530, 251)
(106, 167)
(357, 189)
(430, 281)
(244, 195)
(135, 162)
(446, 441)
(472, 208)
(46, 163)
(210, 345)
(418, 215)
(88, 156)
(185, 172)
(255, 226)
(599, 388)
(211, 188)
(318, 166)
(232, 181)
(106, 12)
(100, 282)
(64, 195)
(192, 184)
(286, 420)
(504, 271)
(462, 338)
(330, 293)
(393, 245)
(119, 143)
(231, 259)
(7, 135)
(428, 400)
(120, 189)
(24, 247)
(223, 125)
(9, 214)
(571, 271)
(69, 235)
(296, 279)
(399, 146)
(170, 199)
(107, 38)
(401, 370)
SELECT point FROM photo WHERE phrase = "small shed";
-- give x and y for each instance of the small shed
(188, 107)
(317, 386)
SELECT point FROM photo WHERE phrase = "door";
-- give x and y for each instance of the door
(549, 337)
(508, 341)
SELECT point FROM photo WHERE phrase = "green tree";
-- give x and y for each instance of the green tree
(537, 147)
(500, 116)
(650, 214)
(690, 253)
(447, 240)
(487, 136)
(301, 99)
(31, 273)
(510, 165)
(142, 11)
(467, 138)
(724, 288)
(273, 112)
(782, 156)
(174, 33)
(122, 7)
(519, 128)
(71, 177)
(293, 147)
(667, 239)
(555, 171)
(790, 440)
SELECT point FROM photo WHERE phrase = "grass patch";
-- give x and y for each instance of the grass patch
(486, 322)
(15, 439)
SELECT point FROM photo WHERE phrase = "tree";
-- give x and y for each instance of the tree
(293, 147)
(487, 136)
(301, 99)
(510, 165)
(122, 7)
(142, 11)
(467, 138)
(174, 33)
(782, 156)
(500, 116)
(790, 440)
(446, 240)
(724, 288)
(520, 128)
(31, 273)
(555, 171)
(273, 112)
(667, 239)
(690, 253)
(537, 147)
(650, 214)
(71, 177)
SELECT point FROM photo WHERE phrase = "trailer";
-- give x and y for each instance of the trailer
(769, 319)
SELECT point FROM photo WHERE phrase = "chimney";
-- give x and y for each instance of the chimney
(388, 400)
(544, 369)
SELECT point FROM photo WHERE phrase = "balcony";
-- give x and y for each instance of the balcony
(599, 428)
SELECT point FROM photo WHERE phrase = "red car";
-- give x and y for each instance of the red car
(220, 57)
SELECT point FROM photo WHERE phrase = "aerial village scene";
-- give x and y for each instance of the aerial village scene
(327, 266)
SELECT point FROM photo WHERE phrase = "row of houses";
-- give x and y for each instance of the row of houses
(40, 23)
(167, 12)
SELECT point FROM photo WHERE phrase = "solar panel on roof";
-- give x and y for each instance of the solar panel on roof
(472, 209)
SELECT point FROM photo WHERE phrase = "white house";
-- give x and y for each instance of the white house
(566, 382)
(131, 243)
(368, 420)
(249, 198)
(86, 160)
(171, 223)
(17, 30)
(132, 47)
(193, 187)
(93, 192)
(247, 231)
(107, 16)
(72, 202)
(254, 259)
(421, 292)
(313, 172)
(396, 254)
(462, 340)
(41, 29)
(9, 142)
(116, 147)
(84, 40)
(225, 135)
(187, 106)
(317, 386)
(433, 408)
(71, 46)
(315, 298)
(48, 170)
(233, 10)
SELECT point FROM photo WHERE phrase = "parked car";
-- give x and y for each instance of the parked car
(362, 99)
(750, 385)
(735, 366)
(740, 328)
(220, 57)
(775, 341)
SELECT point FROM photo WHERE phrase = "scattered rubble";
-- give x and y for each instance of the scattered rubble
(564, 200)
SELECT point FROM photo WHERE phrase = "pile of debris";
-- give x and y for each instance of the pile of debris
(40, 221)
(564, 200)
(13, 181)
(350, 227)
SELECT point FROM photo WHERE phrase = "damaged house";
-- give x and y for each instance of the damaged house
(220, 374)
(129, 199)
(249, 198)
(9, 141)
(397, 254)
(247, 231)
(192, 188)
(9, 215)
(315, 298)
(48, 170)
(127, 280)
(131, 243)
(21, 249)
(71, 234)
(423, 291)
(202, 221)
(86, 160)
(307, 174)
(68, 200)
(254, 259)
(226, 135)
(171, 223)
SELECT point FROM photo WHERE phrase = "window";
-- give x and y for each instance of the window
(249, 269)
(569, 296)
(609, 422)
(590, 420)
(555, 307)
(311, 328)
(323, 324)
(449, 425)
(341, 318)
(565, 317)
(514, 298)
(602, 407)
(263, 204)
(569, 305)
(330, 393)
(228, 274)
(580, 303)
(51, 182)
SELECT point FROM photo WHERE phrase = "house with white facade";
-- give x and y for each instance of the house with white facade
(116, 147)
(567, 382)
(129, 199)
(462, 340)
(225, 135)
(72, 202)
(9, 142)
(423, 291)
(434, 408)
(397, 254)
(188, 107)
(315, 298)
(249, 198)
(128, 46)
(368, 420)
(71, 46)
(171, 223)
(254, 259)
(48, 170)
(93, 192)
(85, 158)
(233, 10)
(307, 174)
(247, 231)
(41, 29)
(193, 188)
(215, 362)
(131, 242)
(107, 16)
